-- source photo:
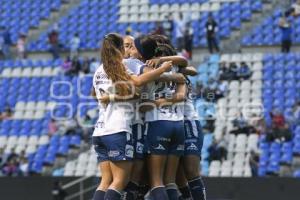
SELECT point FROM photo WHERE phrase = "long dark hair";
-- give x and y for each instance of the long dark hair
(112, 52)
(146, 46)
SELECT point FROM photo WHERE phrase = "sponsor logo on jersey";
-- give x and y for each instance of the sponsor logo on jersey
(160, 147)
(101, 75)
(180, 147)
(163, 139)
(192, 147)
(113, 153)
(129, 151)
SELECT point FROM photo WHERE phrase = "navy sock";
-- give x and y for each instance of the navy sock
(159, 193)
(112, 195)
(172, 191)
(143, 189)
(99, 195)
(131, 190)
(197, 189)
(185, 192)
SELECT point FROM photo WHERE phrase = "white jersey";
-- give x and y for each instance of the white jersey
(116, 116)
(173, 112)
(190, 113)
(134, 65)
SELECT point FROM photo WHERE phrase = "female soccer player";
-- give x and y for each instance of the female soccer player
(188, 177)
(164, 130)
(112, 138)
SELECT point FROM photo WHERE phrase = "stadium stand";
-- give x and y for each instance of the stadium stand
(19, 16)
(269, 33)
(117, 16)
(273, 84)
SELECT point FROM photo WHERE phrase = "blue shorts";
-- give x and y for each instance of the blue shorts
(164, 138)
(115, 147)
(138, 140)
(193, 138)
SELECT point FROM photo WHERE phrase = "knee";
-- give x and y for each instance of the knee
(105, 183)
(120, 183)
(191, 172)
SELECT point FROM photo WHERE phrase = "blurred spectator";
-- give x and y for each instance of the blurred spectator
(217, 150)
(168, 26)
(224, 72)
(87, 128)
(179, 32)
(209, 125)
(21, 46)
(244, 72)
(296, 113)
(1, 157)
(1, 46)
(211, 31)
(241, 125)
(296, 8)
(259, 124)
(278, 120)
(58, 193)
(188, 39)
(54, 43)
(24, 166)
(233, 70)
(228, 73)
(52, 127)
(158, 30)
(253, 162)
(76, 66)
(6, 114)
(7, 42)
(286, 31)
(222, 89)
(66, 66)
(10, 168)
(86, 65)
(94, 65)
(128, 31)
(74, 46)
(280, 130)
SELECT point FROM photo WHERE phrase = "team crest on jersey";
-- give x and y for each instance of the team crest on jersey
(192, 147)
(129, 151)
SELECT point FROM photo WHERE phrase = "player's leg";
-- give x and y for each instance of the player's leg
(104, 167)
(176, 150)
(170, 176)
(120, 154)
(156, 166)
(156, 145)
(106, 180)
(191, 160)
(121, 171)
(192, 172)
(182, 183)
(133, 186)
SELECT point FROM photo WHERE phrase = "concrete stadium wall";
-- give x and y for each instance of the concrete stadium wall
(37, 188)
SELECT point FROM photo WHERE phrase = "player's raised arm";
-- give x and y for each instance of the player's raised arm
(151, 75)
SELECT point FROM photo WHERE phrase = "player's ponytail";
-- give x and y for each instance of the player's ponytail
(112, 52)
